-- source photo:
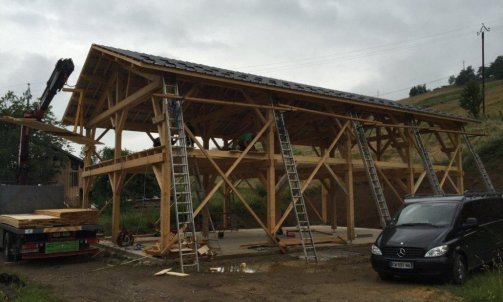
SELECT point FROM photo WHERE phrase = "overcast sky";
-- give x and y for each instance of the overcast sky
(374, 48)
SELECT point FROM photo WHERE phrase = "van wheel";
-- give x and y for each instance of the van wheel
(459, 271)
(7, 247)
(385, 276)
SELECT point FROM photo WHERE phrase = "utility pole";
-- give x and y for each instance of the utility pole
(481, 33)
(27, 95)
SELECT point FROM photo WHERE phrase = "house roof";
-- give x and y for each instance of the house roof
(266, 81)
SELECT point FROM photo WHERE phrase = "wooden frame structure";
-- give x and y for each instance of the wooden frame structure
(120, 90)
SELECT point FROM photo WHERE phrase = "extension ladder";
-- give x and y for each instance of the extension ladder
(181, 191)
(299, 206)
(425, 157)
(370, 167)
(479, 163)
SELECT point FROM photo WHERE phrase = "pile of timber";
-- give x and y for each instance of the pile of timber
(51, 218)
(72, 216)
(23, 221)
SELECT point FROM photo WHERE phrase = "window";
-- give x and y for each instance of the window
(437, 214)
(476, 208)
(74, 178)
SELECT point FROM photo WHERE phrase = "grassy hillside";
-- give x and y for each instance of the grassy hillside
(489, 146)
(447, 99)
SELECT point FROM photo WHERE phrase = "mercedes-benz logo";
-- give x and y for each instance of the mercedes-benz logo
(401, 252)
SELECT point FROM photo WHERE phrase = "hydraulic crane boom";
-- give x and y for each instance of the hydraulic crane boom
(63, 69)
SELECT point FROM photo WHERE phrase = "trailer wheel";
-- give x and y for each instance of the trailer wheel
(7, 247)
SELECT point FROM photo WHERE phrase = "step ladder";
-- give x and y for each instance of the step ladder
(371, 170)
(479, 163)
(299, 206)
(213, 242)
(181, 191)
(425, 157)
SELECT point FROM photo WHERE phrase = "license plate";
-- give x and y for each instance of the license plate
(61, 246)
(401, 265)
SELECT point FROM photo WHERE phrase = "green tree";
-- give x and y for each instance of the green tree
(46, 151)
(495, 70)
(465, 76)
(417, 90)
(452, 80)
(471, 99)
(137, 186)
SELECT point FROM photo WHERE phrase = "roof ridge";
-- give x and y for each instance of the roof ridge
(258, 79)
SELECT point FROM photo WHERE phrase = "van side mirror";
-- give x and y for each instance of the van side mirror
(470, 222)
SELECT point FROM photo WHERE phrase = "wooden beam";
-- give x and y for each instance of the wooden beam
(390, 185)
(419, 181)
(337, 179)
(271, 173)
(451, 162)
(225, 178)
(310, 178)
(459, 166)
(129, 102)
(350, 201)
(230, 170)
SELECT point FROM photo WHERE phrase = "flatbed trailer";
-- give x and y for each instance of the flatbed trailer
(35, 236)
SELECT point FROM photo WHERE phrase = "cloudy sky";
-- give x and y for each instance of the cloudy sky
(374, 48)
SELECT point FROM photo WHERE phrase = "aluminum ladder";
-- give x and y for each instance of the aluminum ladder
(425, 157)
(479, 163)
(370, 167)
(299, 206)
(181, 191)
(201, 194)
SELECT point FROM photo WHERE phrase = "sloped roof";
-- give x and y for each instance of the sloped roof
(261, 80)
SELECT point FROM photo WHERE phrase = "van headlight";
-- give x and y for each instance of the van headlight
(437, 251)
(375, 250)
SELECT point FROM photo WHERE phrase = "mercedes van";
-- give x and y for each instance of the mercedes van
(444, 236)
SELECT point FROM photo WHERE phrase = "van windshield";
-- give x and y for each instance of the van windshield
(434, 214)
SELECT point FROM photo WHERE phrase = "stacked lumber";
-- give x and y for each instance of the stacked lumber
(30, 220)
(72, 216)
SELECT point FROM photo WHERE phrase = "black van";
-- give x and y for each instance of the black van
(441, 236)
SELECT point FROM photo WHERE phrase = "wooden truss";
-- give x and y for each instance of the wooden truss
(118, 94)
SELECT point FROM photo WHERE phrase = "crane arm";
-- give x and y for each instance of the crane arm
(63, 69)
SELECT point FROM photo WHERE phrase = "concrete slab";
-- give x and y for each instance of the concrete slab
(230, 244)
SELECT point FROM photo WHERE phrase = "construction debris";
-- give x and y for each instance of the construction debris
(163, 272)
(203, 250)
(177, 274)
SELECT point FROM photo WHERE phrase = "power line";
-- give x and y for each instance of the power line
(352, 51)
(407, 88)
(361, 53)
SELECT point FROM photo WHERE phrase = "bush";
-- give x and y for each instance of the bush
(484, 287)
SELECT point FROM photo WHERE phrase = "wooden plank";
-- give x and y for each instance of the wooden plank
(29, 220)
(50, 129)
(177, 274)
(162, 272)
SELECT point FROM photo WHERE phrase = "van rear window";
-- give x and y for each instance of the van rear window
(434, 214)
